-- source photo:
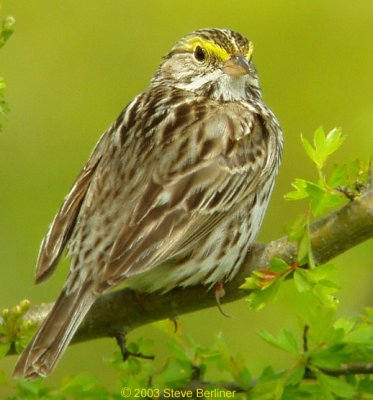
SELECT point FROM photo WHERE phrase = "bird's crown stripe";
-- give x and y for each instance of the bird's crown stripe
(209, 46)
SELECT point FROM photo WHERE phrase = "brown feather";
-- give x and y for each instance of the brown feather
(60, 230)
(54, 335)
(158, 230)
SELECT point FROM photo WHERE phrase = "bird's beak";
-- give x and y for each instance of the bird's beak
(237, 66)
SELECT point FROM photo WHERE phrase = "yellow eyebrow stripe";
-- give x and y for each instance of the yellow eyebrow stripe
(249, 53)
(210, 47)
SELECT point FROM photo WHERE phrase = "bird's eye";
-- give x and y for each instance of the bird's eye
(199, 54)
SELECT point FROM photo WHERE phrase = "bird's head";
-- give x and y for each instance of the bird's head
(211, 62)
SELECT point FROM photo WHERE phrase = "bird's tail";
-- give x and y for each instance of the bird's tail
(50, 341)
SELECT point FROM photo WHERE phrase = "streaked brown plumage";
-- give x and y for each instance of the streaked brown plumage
(174, 192)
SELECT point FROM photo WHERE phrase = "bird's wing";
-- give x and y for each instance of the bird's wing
(63, 223)
(197, 179)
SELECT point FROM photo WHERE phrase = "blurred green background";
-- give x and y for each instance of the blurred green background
(72, 66)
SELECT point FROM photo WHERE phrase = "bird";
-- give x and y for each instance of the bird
(173, 194)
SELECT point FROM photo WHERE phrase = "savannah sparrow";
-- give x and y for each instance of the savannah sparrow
(173, 194)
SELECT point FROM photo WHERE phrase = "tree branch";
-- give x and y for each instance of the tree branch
(349, 369)
(123, 310)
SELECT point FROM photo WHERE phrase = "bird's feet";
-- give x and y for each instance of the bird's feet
(219, 293)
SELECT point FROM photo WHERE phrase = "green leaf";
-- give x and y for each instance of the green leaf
(300, 192)
(6, 30)
(363, 335)
(323, 271)
(330, 357)
(32, 389)
(269, 386)
(4, 108)
(261, 297)
(324, 292)
(134, 365)
(317, 195)
(296, 230)
(329, 285)
(322, 199)
(302, 280)
(366, 386)
(251, 283)
(314, 281)
(319, 141)
(336, 386)
(175, 373)
(284, 341)
(278, 265)
(309, 149)
(344, 324)
(244, 378)
(324, 145)
(304, 248)
(314, 190)
(334, 140)
(296, 375)
(338, 176)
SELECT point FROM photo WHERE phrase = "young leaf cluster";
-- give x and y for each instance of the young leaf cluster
(321, 195)
(15, 330)
(326, 192)
(335, 362)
